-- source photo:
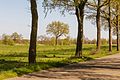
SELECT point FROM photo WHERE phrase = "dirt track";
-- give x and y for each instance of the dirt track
(106, 68)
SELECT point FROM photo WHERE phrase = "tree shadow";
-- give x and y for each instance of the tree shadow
(55, 53)
(106, 47)
(24, 68)
(83, 71)
(15, 54)
(43, 54)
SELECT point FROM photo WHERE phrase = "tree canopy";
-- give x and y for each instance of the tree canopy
(57, 29)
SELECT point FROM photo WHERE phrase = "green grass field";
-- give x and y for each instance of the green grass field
(14, 59)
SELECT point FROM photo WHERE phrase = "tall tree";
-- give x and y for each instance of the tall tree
(76, 6)
(117, 25)
(57, 29)
(115, 19)
(79, 9)
(111, 14)
(98, 27)
(110, 27)
(94, 14)
(33, 37)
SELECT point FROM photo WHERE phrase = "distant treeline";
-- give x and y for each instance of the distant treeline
(12, 39)
(16, 38)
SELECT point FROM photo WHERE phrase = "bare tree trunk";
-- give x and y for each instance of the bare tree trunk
(56, 40)
(117, 26)
(80, 19)
(110, 29)
(98, 27)
(33, 37)
(79, 40)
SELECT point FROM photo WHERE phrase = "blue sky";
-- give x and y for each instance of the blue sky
(15, 16)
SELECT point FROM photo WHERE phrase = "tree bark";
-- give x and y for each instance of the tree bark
(110, 29)
(117, 26)
(33, 37)
(80, 19)
(98, 27)
(56, 41)
(79, 40)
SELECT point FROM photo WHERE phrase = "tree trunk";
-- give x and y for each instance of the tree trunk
(56, 41)
(80, 17)
(110, 29)
(33, 37)
(98, 27)
(117, 26)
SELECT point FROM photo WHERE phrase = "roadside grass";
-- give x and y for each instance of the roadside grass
(14, 59)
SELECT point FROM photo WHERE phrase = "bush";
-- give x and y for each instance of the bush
(8, 42)
(6, 39)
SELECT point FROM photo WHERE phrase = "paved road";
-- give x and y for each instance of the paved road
(106, 68)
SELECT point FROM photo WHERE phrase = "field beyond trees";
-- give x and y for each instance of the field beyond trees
(14, 59)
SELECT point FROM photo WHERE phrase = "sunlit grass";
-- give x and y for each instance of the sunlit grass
(14, 59)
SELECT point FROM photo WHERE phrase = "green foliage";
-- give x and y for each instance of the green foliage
(12, 39)
(51, 41)
(6, 39)
(57, 29)
(104, 41)
(21, 71)
(16, 37)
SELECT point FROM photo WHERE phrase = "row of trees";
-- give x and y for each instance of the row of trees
(11, 39)
(106, 15)
(104, 12)
(16, 38)
(43, 39)
(103, 41)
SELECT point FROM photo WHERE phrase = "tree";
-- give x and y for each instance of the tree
(15, 36)
(110, 27)
(98, 27)
(117, 25)
(6, 39)
(114, 5)
(79, 9)
(94, 13)
(33, 37)
(76, 6)
(57, 29)
(112, 17)
(116, 21)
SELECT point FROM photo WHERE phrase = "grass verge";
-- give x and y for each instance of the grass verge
(14, 62)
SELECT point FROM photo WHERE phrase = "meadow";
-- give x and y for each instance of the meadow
(14, 59)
